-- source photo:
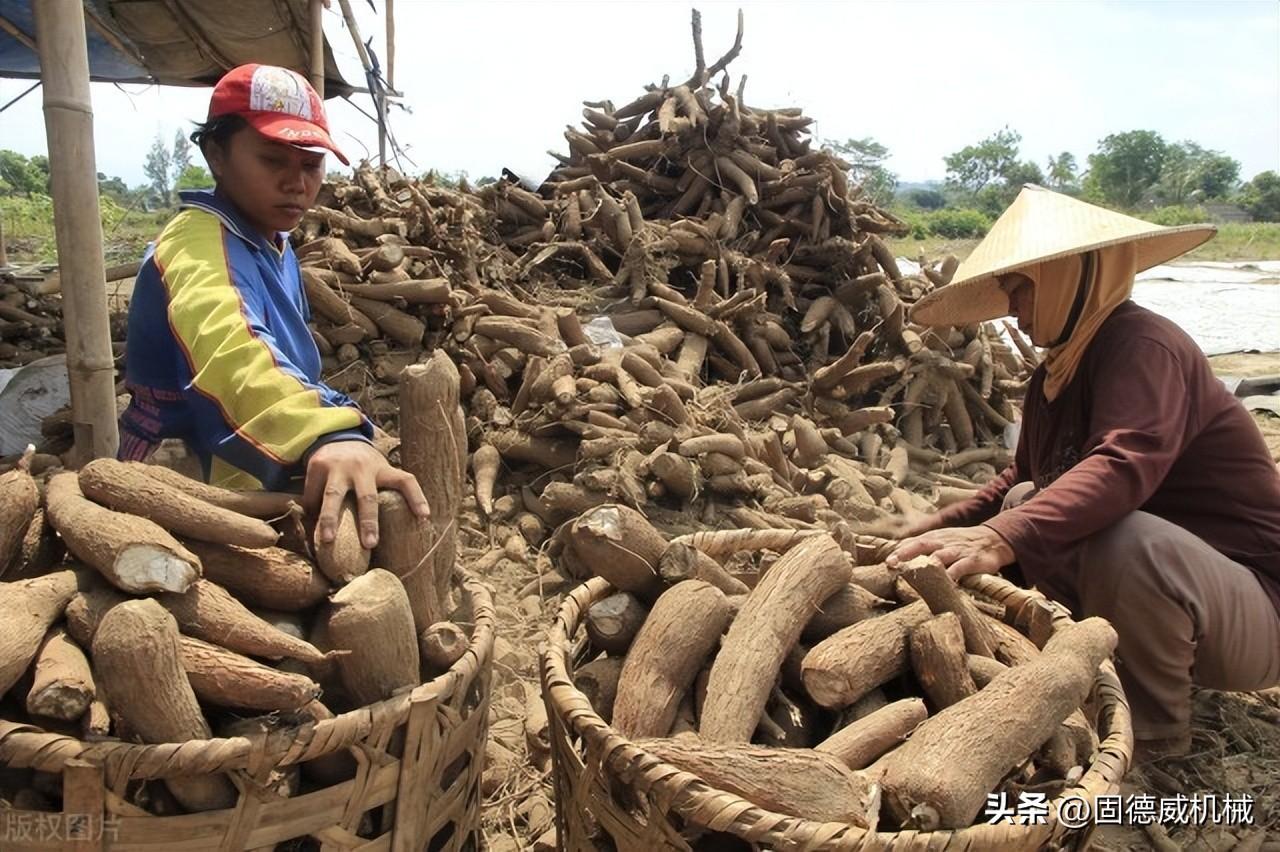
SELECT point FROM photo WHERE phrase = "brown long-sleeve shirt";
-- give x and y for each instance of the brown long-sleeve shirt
(1143, 425)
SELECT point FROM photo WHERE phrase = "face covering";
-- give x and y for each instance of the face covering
(1073, 296)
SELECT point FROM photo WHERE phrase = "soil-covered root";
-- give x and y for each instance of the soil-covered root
(134, 554)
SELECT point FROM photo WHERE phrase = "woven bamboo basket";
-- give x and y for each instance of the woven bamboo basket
(418, 759)
(664, 808)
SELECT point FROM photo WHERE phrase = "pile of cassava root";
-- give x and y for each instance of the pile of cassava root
(30, 326)
(694, 321)
(144, 606)
(804, 675)
(695, 311)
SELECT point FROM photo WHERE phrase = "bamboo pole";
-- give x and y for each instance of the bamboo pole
(317, 46)
(68, 121)
(12, 29)
(379, 96)
(391, 45)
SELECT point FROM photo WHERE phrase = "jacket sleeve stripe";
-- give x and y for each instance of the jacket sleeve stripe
(264, 403)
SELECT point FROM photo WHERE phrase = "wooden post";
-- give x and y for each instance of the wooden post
(391, 45)
(84, 807)
(317, 46)
(68, 111)
(379, 97)
(4, 250)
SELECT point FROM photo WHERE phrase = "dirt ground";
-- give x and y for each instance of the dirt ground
(1236, 746)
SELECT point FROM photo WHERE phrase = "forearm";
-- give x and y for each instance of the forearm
(1094, 494)
(984, 504)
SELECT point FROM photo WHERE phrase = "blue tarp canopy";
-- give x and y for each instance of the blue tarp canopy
(174, 42)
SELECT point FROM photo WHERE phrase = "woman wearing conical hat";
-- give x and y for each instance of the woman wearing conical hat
(1141, 490)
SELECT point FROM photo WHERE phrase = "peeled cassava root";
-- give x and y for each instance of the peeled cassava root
(371, 619)
(209, 612)
(763, 633)
(954, 759)
(138, 660)
(127, 488)
(681, 630)
(29, 608)
(228, 679)
(722, 675)
(799, 782)
(62, 683)
(133, 553)
(19, 499)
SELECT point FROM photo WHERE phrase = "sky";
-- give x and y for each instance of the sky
(489, 85)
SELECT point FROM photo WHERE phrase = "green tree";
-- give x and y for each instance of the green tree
(973, 167)
(989, 175)
(1063, 171)
(194, 177)
(26, 176)
(158, 168)
(993, 198)
(1194, 173)
(927, 199)
(1261, 197)
(180, 159)
(866, 158)
(1127, 166)
(113, 187)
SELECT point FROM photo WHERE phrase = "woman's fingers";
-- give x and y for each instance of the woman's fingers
(335, 490)
(912, 547)
(952, 554)
(407, 484)
(313, 487)
(366, 488)
(976, 564)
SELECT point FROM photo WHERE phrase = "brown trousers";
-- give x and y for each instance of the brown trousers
(1185, 614)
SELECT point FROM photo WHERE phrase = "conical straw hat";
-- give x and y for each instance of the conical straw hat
(1042, 225)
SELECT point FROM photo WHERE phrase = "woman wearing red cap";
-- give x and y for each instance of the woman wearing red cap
(219, 353)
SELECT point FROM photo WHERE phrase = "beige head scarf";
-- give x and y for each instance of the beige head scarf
(1073, 297)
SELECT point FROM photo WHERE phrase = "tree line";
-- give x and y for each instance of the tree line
(167, 167)
(1137, 171)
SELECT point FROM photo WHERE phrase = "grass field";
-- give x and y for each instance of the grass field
(1235, 241)
(28, 229)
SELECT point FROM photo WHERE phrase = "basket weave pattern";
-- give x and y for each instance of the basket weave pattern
(419, 758)
(607, 788)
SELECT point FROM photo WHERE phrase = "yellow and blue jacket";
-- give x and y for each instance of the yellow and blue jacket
(219, 353)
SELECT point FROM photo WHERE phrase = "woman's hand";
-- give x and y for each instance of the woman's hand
(341, 467)
(899, 527)
(964, 550)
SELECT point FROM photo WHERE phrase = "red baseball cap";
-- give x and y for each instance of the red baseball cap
(278, 103)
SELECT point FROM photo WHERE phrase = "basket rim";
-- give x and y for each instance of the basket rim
(28, 746)
(1103, 776)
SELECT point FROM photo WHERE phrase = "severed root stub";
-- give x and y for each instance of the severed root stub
(145, 567)
(134, 554)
